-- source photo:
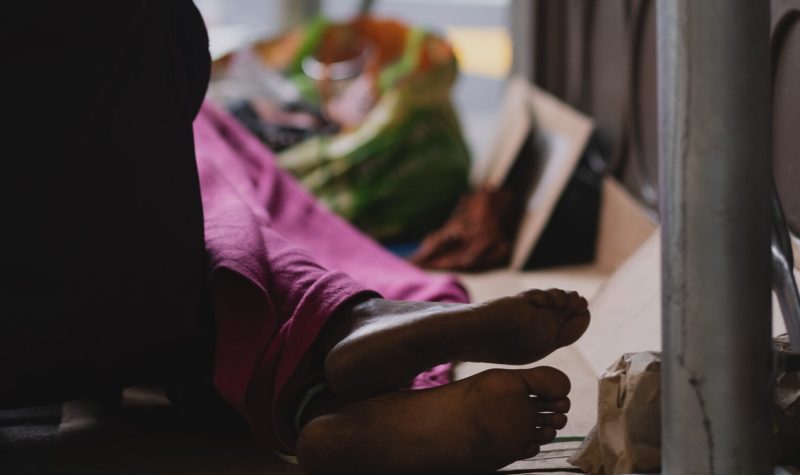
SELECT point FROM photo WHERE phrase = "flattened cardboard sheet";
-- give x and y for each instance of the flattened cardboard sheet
(624, 226)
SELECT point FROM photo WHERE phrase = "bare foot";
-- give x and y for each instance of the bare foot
(380, 345)
(475, 425)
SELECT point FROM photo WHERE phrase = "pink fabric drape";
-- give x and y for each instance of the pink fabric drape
(296, 264)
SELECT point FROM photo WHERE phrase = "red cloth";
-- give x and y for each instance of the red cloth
(301, 263)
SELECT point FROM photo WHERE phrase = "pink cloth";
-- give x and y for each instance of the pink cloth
(299, 262)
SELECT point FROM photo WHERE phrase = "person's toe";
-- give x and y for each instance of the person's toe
(556, 420)
(546, 382)
(551, 298)
(575, 303)
(544, 435)
(560, 405)
(570, 309)
(574, 327)
(558, 297)
(537, 297)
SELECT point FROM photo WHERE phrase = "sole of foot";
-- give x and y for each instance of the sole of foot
(471, 426)
(386, 343)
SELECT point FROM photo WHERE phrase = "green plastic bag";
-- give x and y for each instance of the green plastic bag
(397, 175)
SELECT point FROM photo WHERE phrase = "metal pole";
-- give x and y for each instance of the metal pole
(715, 149)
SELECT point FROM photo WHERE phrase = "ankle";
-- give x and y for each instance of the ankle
(321, 403)
(343, 322)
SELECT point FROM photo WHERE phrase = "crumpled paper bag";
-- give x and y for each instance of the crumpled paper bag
(627, 437)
